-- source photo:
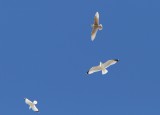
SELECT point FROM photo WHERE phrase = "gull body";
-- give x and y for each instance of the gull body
(32, 105)
(102, 66)
(95, 26)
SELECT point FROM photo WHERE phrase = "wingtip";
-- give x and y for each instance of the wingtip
(92, 37)
(88, 72)
(97, 13)
(116, 60)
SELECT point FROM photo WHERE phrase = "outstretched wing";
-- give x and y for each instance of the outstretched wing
(27, 101)
(94, 69)
(34, 108)
(94, 32)
(110, 62)
(96, 19)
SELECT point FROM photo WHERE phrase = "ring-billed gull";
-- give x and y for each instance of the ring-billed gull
(102, 66)
(96, 26)
(32, 105)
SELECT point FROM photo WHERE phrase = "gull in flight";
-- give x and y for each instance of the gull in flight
(96, 26)
(102, 66)
(32, 105)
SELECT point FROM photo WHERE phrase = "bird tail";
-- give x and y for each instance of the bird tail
(104, 71)
(35, 102)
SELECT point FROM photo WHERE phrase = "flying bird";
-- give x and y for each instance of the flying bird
(102, 67)
(32, 105)
(96, 26)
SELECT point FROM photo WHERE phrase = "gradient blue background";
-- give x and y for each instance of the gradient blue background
(45, 51)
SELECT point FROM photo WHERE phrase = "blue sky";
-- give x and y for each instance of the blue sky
(45, 51)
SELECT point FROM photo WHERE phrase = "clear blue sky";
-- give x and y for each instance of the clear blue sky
(45, 51)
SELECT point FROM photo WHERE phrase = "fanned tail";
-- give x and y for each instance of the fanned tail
(104, 71)
(100, 27)
(35, 102)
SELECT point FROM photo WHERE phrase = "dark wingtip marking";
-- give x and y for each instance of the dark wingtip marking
(87, 72)
(116, 60)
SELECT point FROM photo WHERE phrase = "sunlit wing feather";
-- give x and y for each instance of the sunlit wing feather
(34, 108)
(94, 69)
(94, 32)
(109, 63)
(27, 101)
(96, 19)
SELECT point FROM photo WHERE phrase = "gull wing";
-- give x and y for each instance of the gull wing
(34, 108)
(110, 62)
(94, 32)
(96, 19)
(27, 101)
(94, 69)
